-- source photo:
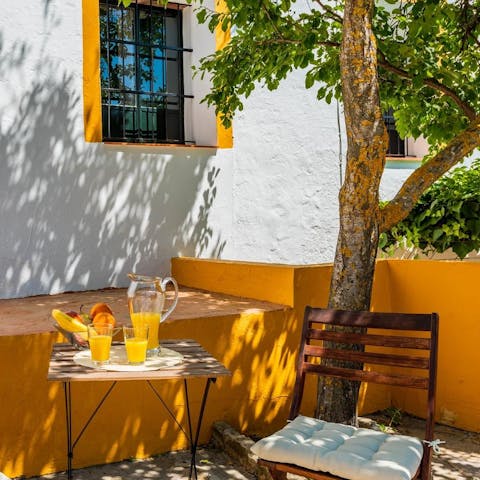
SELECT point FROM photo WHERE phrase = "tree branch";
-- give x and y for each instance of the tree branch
(430, 82)
(424, 176)
(287, 41)
(265, 9)
(333, 15)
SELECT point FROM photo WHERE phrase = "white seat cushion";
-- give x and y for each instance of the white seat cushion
(342, 450)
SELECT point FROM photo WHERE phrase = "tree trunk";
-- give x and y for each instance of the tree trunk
(357, 243)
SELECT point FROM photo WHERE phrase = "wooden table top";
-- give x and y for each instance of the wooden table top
(197, 362)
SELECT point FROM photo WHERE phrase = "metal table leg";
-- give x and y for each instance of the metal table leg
(68, 413)
(193, 441)
(194, 444)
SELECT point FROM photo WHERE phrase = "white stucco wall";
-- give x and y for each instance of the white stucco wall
(78, 216)
(286, 176)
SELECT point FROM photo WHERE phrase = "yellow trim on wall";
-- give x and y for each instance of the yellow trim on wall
(224, 135)
(92, 99)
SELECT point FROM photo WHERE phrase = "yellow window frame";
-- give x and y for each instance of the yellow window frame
(92, 97)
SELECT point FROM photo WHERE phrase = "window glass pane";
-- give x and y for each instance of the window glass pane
(103, 23)
(157, 29)
(127, 68)
(171, 39)
(173, 120)
(158, 74)
(172, 72)
(115, 22)
(130, 100)
(130, 122)
(104, 69)
(128, 25)
(114, 67)
(145, 68)
(148, 117)
(116, 98)
(144, 26)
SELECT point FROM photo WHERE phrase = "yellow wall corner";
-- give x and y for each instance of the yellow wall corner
(222, 38)
(92, 108)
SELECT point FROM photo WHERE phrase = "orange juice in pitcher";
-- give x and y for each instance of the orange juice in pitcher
(146, 298)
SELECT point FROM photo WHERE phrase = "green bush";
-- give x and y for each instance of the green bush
(446, 216)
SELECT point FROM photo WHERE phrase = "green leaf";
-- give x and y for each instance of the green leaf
(201, 15)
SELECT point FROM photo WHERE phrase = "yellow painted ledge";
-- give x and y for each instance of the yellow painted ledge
(257, 344)
(243, 279)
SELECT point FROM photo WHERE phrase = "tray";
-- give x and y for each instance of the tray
(119, 363)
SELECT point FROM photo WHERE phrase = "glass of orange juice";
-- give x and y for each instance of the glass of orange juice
(136, 341)
(100, 341)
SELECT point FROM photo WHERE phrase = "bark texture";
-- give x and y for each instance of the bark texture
(359, 196)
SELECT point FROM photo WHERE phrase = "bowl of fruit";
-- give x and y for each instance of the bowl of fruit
(73, 325)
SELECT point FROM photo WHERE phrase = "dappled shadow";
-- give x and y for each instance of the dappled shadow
(260, 349)
(211, 463)
(458, 456)
(77, 215)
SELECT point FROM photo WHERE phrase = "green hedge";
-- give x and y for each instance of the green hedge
(446, 216)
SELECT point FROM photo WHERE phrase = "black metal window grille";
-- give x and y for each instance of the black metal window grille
(141, 69)
(396, 145)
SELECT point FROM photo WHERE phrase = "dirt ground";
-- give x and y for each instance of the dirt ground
(211, 465)
(459, 456)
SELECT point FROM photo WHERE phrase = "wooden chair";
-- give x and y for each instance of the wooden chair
(369, 324)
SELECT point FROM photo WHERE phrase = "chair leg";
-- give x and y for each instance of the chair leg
(276, 474)
(426, 466)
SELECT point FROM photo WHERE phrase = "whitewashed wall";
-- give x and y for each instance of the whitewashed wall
(78, 216)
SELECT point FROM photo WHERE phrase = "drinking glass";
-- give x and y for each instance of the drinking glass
(100, 341)
(136, 339)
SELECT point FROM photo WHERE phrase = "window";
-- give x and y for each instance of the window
(396, 145)
(141, 72)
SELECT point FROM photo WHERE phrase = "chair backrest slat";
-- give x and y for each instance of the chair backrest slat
(388, 320)
(369, 339)
(367, 376)
(368, 357)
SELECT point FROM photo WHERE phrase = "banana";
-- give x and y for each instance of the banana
(67, 322)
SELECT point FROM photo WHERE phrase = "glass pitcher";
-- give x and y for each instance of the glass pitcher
(146, 300)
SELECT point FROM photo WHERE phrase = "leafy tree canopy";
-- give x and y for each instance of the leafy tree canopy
(428, 57)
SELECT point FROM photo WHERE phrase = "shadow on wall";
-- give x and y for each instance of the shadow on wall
(78, 216)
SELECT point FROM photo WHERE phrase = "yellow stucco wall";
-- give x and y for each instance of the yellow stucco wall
(448, 288)
(259, 348)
